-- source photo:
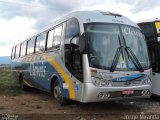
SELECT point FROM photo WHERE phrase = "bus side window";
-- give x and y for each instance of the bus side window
(23, 49)
(30, 46)
(148, 31)
(73, 58)
(40, 42)
(17, 51)
(13, 53)
(50, 40)
(57, 37)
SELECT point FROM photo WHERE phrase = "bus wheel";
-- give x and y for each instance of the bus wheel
(57, 94)
(22, 84)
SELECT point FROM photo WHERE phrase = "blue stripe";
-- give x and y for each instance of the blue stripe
(128, 78)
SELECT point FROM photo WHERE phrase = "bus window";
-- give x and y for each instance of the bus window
(50, 40)
(13, 53)
(148, 31)
(57, 37)
(73, 58)
(30, 46)
(17, 51)
(72, 28)
(40, 42)
(23, 49)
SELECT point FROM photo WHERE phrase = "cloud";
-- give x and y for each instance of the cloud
(44, 12)
(20, 18)
(14, 31)
(140, 5)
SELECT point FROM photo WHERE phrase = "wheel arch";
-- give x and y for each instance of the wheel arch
(20, 77)
(53, 79)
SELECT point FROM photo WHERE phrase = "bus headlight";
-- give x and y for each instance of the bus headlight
(109, 83)
(96, 81)
(101, 82)
(146, 81)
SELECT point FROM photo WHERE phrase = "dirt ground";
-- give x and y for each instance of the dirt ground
(40, 105)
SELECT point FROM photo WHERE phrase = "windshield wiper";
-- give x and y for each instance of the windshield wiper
(116, 57)
(133, 58)
(130, 55)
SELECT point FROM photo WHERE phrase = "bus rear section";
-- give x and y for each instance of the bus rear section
(93, 56)
(151, 30)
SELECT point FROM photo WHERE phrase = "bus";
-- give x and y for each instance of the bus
(86, 56)
(151, 30)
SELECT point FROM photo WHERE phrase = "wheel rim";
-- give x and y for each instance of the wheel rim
(57, 92)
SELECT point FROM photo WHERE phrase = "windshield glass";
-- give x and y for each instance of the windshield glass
(135, 41)
(104, 41)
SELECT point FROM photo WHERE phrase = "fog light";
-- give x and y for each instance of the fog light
(142, 92)
(100, 95)
(145, 92)
(103, 95)
(107, 95)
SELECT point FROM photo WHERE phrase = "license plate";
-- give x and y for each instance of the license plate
(127, 92)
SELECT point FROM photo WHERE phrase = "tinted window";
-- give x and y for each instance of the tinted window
(50, 40)
(72, 28)
(17, 51)
(30, 46)
(147, 30)
(40, 42)
(23, 49)
(57, 36)
(13, 52)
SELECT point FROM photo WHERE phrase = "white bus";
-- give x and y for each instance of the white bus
(151, 30)
(87, 56)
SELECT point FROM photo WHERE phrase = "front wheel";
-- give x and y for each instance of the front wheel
(58, 94)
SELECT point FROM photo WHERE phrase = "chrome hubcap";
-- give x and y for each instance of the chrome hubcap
(57, 92)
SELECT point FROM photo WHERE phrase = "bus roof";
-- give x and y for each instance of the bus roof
(149, 20)
(90, 17)
(96, 16)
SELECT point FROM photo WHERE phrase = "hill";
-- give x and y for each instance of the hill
(5, 60)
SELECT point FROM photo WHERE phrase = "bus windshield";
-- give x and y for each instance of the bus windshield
(104, 41)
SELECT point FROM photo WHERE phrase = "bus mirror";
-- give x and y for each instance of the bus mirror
(79, 42)
(75, 41)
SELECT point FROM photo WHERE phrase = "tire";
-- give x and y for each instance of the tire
(22, 84)
(57, 94)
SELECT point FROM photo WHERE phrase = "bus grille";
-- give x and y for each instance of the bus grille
(127, 83)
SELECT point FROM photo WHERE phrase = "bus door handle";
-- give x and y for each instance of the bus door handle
(153, 73)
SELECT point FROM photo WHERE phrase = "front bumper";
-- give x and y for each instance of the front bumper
(91, 93)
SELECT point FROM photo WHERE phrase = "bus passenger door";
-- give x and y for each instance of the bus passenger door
(73, 58)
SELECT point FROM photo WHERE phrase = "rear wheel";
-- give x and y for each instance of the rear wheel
(22, 84)
(58, 94)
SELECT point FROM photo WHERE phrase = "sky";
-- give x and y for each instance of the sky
(21, 18)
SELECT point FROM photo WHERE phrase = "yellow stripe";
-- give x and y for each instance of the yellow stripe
(27, 83)
(63, 75)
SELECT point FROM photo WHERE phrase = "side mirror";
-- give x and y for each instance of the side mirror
(75, 41)
(79, 41)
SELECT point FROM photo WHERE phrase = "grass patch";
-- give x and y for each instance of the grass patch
(7, 84)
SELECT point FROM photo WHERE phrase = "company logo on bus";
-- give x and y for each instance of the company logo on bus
(128, 78)
(37, 70)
